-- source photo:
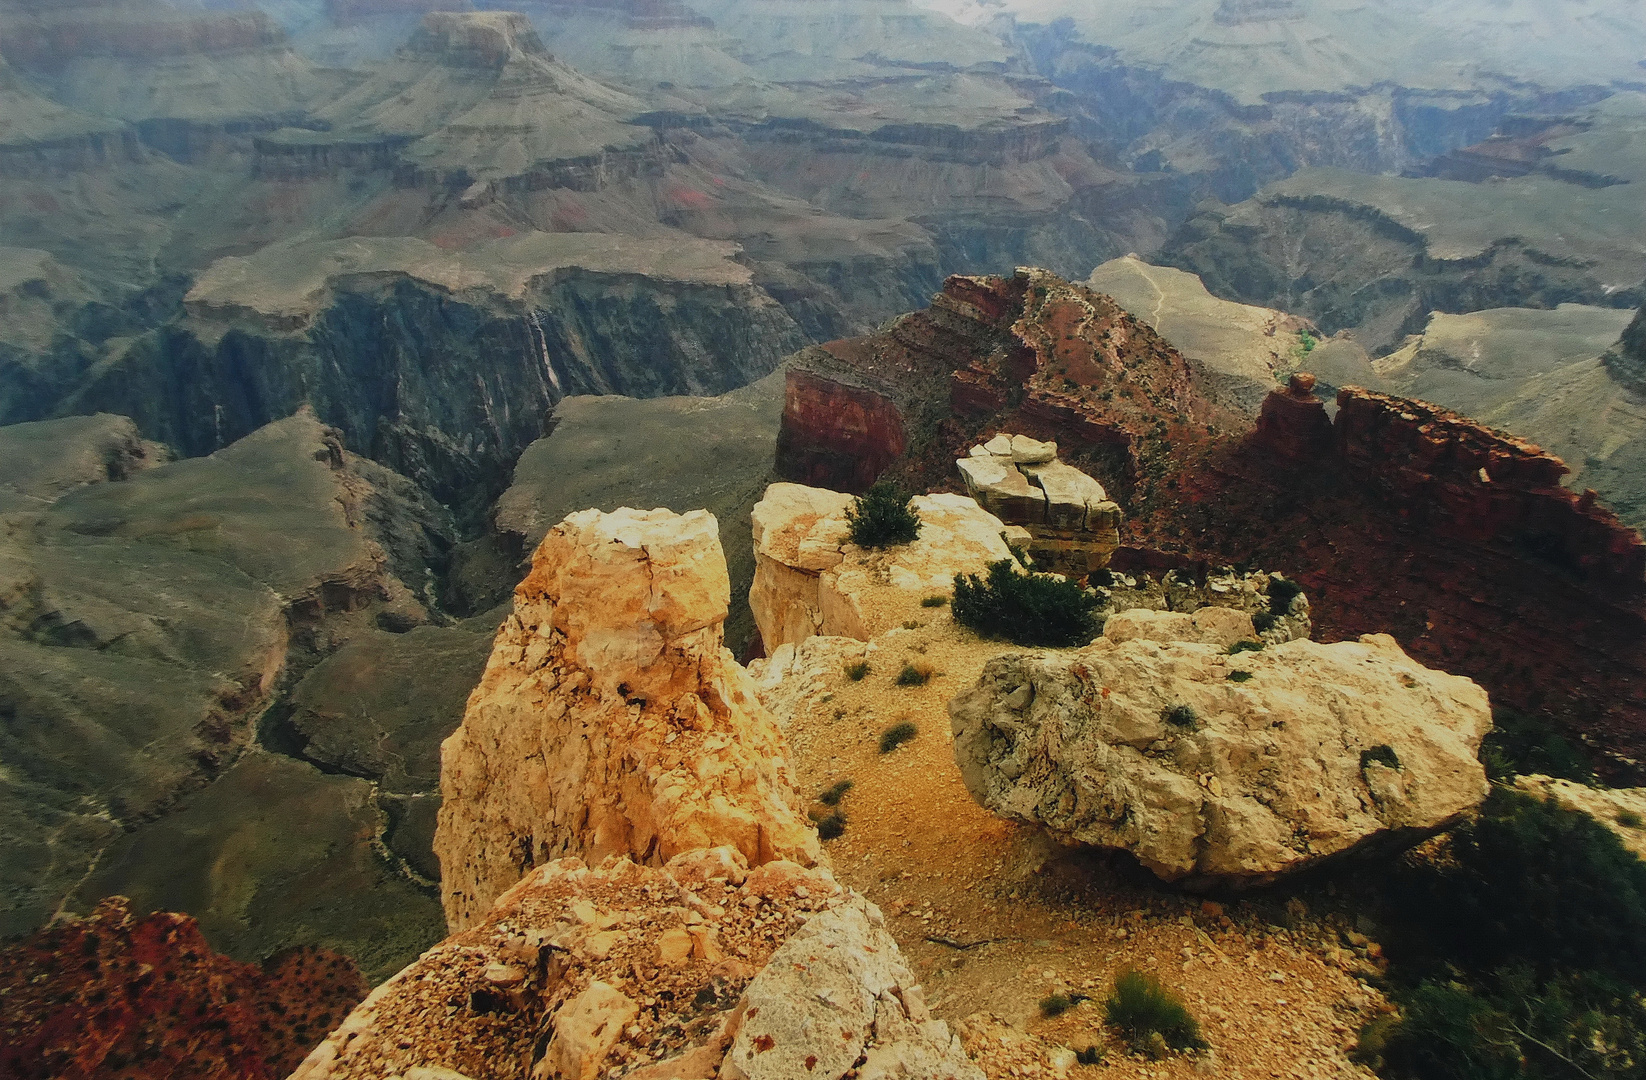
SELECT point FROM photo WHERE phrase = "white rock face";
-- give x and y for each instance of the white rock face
(1321, 749)
(838, 990)
(610, 720)
(809, 578)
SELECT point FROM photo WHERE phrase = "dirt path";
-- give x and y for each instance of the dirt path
(996, 918)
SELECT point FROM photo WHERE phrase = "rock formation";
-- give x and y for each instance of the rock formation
(696, 969)
(810, 579)
(146, 997)
(610, 720)
(1293, 424)
(1074, 526)
(1219, 769)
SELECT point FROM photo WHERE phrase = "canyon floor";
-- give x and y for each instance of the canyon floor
(996, 918)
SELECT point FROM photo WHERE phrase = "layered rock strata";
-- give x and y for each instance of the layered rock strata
(809, 577)
(1073, 524)
(610, 719)
(1219, 769)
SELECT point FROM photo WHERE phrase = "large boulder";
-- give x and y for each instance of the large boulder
(1225, 769)
(610, 720)
(810, 579)
(1074, 526)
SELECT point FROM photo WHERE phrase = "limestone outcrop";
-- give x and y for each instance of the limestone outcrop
(810, 579)
(1073, 524)
(1224, 769)
(699, 968)
(610, 720)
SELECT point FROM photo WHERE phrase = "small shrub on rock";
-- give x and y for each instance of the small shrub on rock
(1630, 820)
(1239, 676)
(1025, 609)
(882, 518)
(1245, 646)
(1519, 744)
(857, 670)
(831, 795)
(831, 826)
(1056, 1005)
(934, 601)
(1092, 1055)
(896, 735)
(1281, 594)
(1180, 716)
(1145, 1011)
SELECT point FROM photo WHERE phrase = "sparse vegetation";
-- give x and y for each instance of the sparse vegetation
(1630, 820)
(914, 675)
(1056, 1005)
(934, 601)
(1143, 1010)
(1181, 716)
(1264, 621)
(912, 624)
(896, 735)
(1383, 754)
(1519, 743)
(831, 795)
(1245, 646)
(831, 826)
(1239, 676)
(1282, 591)
(857, 670)
(1025, 609)
(1092, 1055)
(882, 517)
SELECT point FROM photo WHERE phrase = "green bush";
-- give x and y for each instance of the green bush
(831, 795)
(856, 670)
(914, 675)
(1092, 1055)
(1264, 621)
(1140, 1007)
(1056, 1005)
(1281, 594)
(1180, 716)
(1383, 754)
(1630, 820)
(1025, 609)
(881, 517)
(896, 735)
(934, 601)
(1530, 881)
(1245, 646)
(1519, 744)
(831, 827)
(1239, 676)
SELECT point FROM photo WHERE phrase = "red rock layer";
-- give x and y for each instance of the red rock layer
(145, 997)
(1400, 518)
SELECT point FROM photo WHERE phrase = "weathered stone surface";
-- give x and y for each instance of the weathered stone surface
(811, 580)
(1272, 774)
(1073, 524)
(1209, 626)
(585, 1030)
(1614, 808)
(837, 991)
(796, 674)
(610, 720)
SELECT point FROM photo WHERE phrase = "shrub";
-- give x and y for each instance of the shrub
(1140, 1007)
(1519, 743)
(1383, 754)
(1239, 676)
(856, 670)
(1092, 1055)
(912, 624)
(896, 735)
(1056, 1005)
(1181, 716)
(1025, 609)
(1531, 881)
(914, 675)
(1264, 621)
(1245, 646)
(881, 518)
(1630, 820)
(832, 826)
(831, 795)
(1281, 594)
(934, 601)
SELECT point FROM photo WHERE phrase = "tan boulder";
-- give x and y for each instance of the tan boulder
(1151, 747)
(610, 720)
(810, 580)
(586, 1029)
(1074, 526)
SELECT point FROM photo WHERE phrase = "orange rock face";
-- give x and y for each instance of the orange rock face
(121, 995)
(611, 720)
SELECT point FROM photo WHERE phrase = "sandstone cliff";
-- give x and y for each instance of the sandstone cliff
(610, 720)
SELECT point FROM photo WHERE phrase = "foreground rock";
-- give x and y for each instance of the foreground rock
(699, 968)
(1220, 769)
(810, 579)
(610, 719)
